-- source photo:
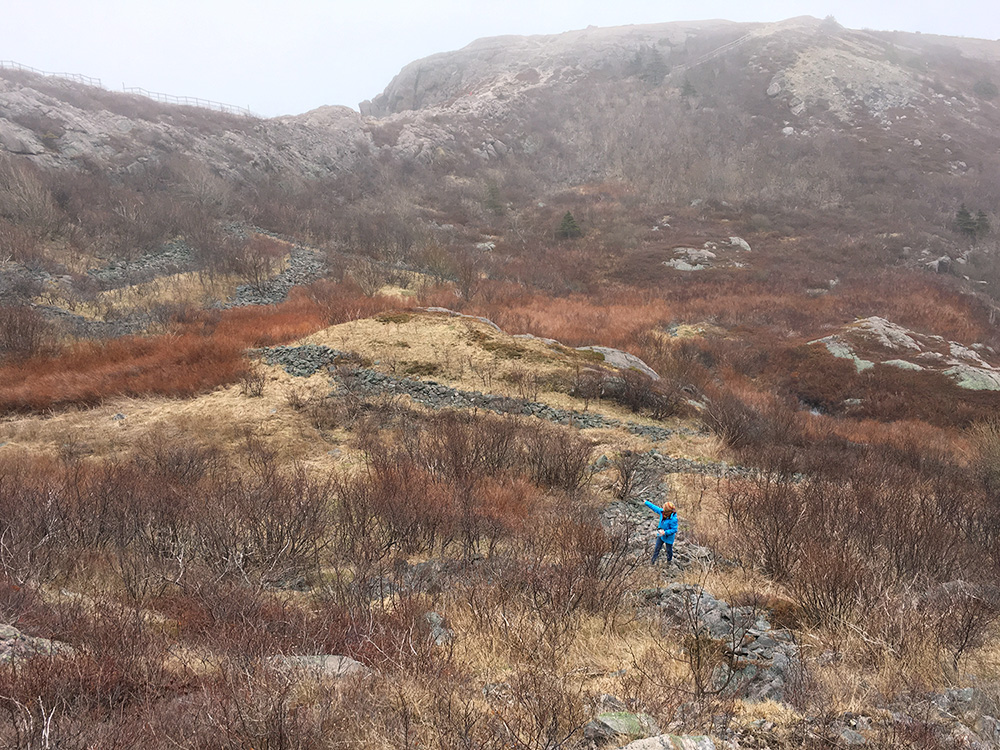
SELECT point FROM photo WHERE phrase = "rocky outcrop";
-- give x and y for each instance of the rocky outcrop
(502, 67)
(710, 255)
(54, 121)
(621, 360)
(673, 742)
(16, 646)
(875, 340)
(616, 726)
(845, 76)
(318, 666)
(760, 662)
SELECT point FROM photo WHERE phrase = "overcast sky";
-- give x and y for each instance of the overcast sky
(289, 56)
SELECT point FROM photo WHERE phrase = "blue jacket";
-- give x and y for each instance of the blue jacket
(667, 525)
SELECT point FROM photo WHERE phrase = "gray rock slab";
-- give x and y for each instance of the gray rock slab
(321, 666)
(673, 742)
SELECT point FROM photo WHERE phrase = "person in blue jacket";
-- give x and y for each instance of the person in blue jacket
(666, 530)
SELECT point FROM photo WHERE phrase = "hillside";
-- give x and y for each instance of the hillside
(337, 428)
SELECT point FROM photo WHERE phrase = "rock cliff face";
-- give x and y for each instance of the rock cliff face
(504, 65)
(56, 123)
(583, 105)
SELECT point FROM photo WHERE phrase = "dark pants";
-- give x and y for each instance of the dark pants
(660, 544)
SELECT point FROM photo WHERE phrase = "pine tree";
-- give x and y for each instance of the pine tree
(569, 228)
(982, 224)
(964, 222)
(492, 201)
(649, 65)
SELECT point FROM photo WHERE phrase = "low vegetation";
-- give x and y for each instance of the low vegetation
(182, 518)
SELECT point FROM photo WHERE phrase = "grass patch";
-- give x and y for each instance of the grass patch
(399, 318)
(422, 368)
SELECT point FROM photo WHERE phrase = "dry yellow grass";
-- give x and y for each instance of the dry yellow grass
(222, 417)
(469, 355)
(464, 353)
(182, 288)
(461, 352)
(196, 289)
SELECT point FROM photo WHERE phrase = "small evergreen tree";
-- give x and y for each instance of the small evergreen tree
(982, 224)
(829, 25)
(649, 65)
(492, 201)
(569, 228)
(688, 90)
(985, 89)
(964, 222)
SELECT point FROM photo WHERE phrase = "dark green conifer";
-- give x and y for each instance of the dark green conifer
(964, 222)
(569, 228)
(982, 224)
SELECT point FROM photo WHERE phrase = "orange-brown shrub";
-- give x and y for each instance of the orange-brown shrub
(845, 538)
(203, 351)
(886, 393)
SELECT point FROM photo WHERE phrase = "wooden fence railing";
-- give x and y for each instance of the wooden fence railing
(76, 77)
(190, 101)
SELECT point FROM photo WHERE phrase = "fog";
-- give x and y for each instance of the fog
(289, 57)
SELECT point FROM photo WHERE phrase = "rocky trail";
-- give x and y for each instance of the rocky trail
(351, 379)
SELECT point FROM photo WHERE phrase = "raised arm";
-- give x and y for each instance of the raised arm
(657, 508)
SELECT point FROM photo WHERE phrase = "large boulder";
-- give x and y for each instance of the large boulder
(318, 666)
(615, 726)
(16, 646)
(673, 742)
(621, 360)
(758, 661)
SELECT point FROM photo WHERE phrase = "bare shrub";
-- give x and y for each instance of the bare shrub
(269, 526)
(557, 458)
(986, 456)
(368, 277)
(32, 542)
(657, 398)
(766, 513)
(67, 699)
(588, 384)
(746, 427)
(252, 383)
(23, 332)
(19, 245)
(174, 458)
(525, 381)
(24, 197)
(633, 475)
(962, 615)
(605, 559)
(832, 583)
(543, 714)
(255, 260)
(248, 706)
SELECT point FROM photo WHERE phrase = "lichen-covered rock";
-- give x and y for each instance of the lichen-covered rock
(16, 646)
(673, 742)
(621, 360)
(440, 634)
(759, 661)
(318, 666)
(619, 725)
(874, 340)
